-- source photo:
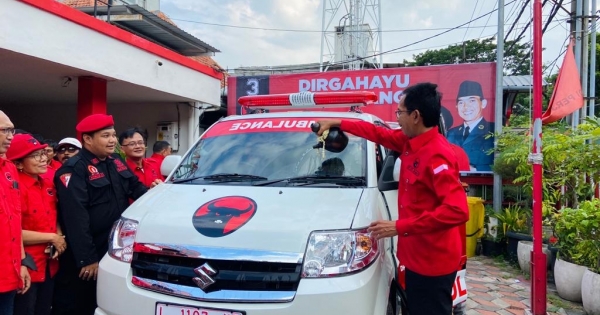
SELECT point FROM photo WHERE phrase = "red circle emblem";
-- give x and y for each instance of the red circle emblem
(223, 216)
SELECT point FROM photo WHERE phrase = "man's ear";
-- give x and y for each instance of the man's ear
(417, 115)
(87, 139)
(483, 103)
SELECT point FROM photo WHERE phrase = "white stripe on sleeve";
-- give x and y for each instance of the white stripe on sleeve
(440, 168)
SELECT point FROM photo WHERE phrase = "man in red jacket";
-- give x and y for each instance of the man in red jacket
(14, 276)
(432, 204)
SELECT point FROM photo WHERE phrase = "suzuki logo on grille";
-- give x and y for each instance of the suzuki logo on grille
(204, 279)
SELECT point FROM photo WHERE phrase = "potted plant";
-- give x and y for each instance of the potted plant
(492, 242)
(577, 232)
(586, 252)
(513, 220)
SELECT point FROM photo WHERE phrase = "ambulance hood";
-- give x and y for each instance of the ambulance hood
(265, 218)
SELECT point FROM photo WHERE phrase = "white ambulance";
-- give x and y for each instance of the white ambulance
(258, 218)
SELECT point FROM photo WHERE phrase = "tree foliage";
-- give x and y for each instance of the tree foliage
(516, 56)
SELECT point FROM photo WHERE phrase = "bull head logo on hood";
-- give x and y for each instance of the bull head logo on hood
(223, 216)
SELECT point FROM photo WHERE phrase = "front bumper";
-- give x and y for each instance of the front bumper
(365, 292)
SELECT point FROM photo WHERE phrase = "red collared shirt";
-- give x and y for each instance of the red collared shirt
(52, 168)
(10, 231)
(38, 213)
(432, 204)
(148, 173)
(158, 158)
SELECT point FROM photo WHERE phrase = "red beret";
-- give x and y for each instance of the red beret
(95, 122)
(22, 145)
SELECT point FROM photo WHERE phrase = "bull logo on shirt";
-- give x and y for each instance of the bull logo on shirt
(94, 173)
(8, 176)
(414, 167)
(223, 216)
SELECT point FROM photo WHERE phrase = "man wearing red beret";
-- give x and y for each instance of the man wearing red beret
(93, 190)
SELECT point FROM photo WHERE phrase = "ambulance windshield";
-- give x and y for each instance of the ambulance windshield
(270, 155)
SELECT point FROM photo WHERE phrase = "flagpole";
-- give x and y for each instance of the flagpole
(538, 258)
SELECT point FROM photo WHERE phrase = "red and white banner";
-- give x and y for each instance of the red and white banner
(475, 81)
(387, 84)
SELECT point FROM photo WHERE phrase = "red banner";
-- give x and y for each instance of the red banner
(468, 97)
(567, 96)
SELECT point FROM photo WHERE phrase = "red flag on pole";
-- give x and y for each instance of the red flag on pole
(567, 96)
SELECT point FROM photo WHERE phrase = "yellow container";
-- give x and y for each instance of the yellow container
(475, 223)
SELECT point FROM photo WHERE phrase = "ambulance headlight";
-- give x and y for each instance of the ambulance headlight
(336, 253)
(122, 237)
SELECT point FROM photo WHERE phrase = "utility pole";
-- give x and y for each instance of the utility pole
(592, 94)
(538, 258)
(584, 59)
(577, 13)
(497, 190)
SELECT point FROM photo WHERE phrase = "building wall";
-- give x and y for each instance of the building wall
(47, 36)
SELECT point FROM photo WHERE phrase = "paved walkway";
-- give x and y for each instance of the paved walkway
(496, 287)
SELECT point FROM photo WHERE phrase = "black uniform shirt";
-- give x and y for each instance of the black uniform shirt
(92, 195)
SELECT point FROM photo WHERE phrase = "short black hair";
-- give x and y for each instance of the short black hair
(39, 138)
(159, 146)
(51, 143)
(129, 133)
(425, 98)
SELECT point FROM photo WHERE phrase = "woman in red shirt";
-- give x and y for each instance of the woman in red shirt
(41, 234)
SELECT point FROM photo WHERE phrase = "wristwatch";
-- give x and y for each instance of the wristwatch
(28, 262)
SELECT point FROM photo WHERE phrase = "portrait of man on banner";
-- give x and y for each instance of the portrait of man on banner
(475, 133)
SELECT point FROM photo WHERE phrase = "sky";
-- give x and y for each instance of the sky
(288, 32)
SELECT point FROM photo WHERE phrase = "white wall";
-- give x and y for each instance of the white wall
(44, 35)
(147, 116)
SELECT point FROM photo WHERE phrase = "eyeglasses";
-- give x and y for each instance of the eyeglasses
(135, 144)
(67, 149)
(8, 131)
(38, 156)
(398, 112)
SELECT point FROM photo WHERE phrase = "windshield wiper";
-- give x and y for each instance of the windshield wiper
(222, 177)
(341, 180)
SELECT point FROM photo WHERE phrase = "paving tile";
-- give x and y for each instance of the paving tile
(498, 289)
(501, 303)
(475, 285)
(486, 303)
(472, 304)
(483, 295)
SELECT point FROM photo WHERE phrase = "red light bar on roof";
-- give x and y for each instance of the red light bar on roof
(308, 100)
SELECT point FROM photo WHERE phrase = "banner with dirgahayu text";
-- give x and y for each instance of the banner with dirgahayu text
(467, 103)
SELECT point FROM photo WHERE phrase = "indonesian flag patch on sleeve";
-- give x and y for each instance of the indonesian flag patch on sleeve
(439, 165)
(64, 178)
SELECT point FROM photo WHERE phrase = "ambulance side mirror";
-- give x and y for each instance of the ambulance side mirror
(390, 172)
(169, 164)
